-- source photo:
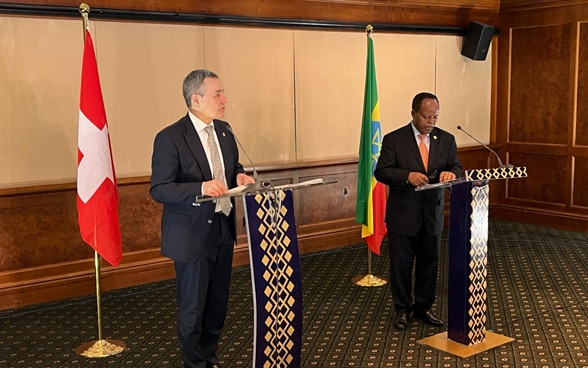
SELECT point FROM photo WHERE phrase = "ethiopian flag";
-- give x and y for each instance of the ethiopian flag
(371, 195)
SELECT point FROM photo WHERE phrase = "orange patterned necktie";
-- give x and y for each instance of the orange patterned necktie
(424, 151)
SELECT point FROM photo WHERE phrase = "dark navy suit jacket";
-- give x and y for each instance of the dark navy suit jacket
(407, 209)
(178, 168)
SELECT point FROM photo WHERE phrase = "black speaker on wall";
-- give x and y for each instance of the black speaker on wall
(477, 41)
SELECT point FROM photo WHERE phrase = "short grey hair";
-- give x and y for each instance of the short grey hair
(193, 83)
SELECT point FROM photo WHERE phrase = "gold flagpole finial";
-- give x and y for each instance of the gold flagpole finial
(369, 29)
(84, 11)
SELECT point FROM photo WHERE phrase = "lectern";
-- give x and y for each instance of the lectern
(275, 272)
(468, 248)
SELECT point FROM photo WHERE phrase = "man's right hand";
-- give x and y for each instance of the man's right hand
(417, 179)
(213, 188)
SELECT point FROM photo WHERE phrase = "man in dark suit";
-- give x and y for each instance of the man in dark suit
(415, 218)
(200, 239)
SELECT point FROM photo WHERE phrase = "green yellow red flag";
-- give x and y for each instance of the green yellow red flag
(371, 195)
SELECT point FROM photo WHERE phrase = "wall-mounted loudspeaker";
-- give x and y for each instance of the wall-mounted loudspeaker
(477, 41)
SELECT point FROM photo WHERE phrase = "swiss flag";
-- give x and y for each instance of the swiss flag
(97, 200)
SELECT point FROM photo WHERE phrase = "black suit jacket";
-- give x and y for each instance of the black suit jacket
(407, 209)
(178, 168)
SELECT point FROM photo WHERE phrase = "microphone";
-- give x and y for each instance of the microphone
(262, 183)
(485, 146)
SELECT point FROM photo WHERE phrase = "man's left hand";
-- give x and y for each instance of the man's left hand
(446, 176)
(243, 179)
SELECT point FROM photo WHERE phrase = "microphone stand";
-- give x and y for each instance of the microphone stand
(485, 146)
(262, 184)
(275, 200)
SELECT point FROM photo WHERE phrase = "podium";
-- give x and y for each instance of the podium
(466, 333)
(275, 271)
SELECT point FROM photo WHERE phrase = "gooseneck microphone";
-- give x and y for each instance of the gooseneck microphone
(262, 183)
(485, 146)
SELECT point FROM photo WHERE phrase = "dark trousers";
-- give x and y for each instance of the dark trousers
(202, 289)
(421, 254)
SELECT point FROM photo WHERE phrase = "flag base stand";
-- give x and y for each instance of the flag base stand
(100, 348)
(369, 281)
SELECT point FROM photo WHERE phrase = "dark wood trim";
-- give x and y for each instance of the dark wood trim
(384, 17)
(525, 5)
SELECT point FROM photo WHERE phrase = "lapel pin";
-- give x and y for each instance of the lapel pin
(224, 134)
(435, 137)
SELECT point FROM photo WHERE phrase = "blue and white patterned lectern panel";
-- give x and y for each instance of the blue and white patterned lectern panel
(468, 257)
(468, 253)
(276, 279)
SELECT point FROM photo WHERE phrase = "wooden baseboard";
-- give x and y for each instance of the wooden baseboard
(69, 280)
(559, 220)
(79, 279)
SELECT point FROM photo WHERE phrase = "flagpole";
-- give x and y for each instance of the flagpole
(369, 280)
(100, 348)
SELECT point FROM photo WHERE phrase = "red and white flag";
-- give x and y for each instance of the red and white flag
(97, 193)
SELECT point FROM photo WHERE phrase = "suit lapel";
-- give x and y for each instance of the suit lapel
(433, 145)
(412, 146)
(195, 146)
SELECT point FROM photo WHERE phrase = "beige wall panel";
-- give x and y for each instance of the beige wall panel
(330, 83)
(464, 91)
(142, 67)
(141, 70)
(405, 66)
(330, 74)
(40, 63)
(255, 66)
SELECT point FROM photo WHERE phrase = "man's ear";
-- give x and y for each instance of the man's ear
(195, 100)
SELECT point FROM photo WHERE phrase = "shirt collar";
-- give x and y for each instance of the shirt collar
(199, 125)
(414, 130)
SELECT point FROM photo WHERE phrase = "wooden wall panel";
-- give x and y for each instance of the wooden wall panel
(343, 196)
(39, 229)
(140, 217)
(540, 72)
(582, 107)
(580, 194)
(541, 123)
(544, 181)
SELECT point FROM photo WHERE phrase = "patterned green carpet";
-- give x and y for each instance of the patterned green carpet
(537, 294)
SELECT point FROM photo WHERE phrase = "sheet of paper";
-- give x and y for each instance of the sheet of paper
(239, 189)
